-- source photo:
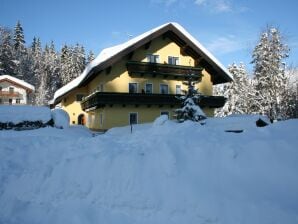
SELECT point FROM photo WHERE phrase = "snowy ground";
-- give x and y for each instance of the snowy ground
(161, 173)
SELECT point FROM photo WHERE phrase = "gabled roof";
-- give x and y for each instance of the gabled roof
(175, 31)
(16, 81)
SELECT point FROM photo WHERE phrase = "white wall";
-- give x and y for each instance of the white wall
(17, 89)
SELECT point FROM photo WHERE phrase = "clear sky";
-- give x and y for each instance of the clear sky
(228, 28)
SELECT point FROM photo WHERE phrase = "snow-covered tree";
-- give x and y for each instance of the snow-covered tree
(66, 64)
(18, 37)
(190, 103)
(73, 62)
(52, 63)
(78, 60)
(239, 93)
(21, 54)
(90, 57)
(269, 70)
(7, 62)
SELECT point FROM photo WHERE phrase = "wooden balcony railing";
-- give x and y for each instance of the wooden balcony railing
(9, 94)
(102, 99)
(178, 72)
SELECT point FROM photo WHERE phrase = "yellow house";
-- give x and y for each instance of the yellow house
(137, 81)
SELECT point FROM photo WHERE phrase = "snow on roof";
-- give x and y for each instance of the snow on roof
(108, 53)
(18, 81)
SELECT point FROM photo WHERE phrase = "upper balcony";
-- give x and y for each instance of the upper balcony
(178, 72)
(102, 99)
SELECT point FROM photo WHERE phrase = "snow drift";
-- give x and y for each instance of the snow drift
(167, 173)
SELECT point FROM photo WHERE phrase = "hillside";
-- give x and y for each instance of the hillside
(160, 173)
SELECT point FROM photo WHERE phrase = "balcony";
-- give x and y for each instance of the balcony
(9, 94)
(103, 99)
(178, 72)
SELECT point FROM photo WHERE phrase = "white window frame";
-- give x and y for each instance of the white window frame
(163, 85)
(133, 83)
(129, 117)
(101, 119)
(180, 89)
(155, 57)
(151, 87)
(176, 59)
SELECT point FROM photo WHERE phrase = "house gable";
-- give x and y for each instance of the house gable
(174, 31)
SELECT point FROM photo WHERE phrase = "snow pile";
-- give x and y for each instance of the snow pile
(61, 118)
(170, 173)
(160, 120)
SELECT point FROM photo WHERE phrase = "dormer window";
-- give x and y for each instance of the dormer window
(153, 58)
(173, 60)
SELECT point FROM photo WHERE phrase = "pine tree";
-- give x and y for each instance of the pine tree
(65, 65)
(190, 109)
(20, 52)
(19, 40)
(7, 61)
(35, 79)
(269, 70)
(239, 93)
(90, 57)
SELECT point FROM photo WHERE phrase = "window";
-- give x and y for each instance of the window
(148, 88)
(10, 101)
(173, 60)
(178, 89)
(79, 97)
(133, 118)
(0, 101)
(152, 58)
(133, 87)
(164, 89)
(18, 101)
(100, 87)
(0, 88)
(11, 89)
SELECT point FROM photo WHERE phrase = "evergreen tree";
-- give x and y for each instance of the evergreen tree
(7, 62)
(66, 63)
(35, 79)
(269, 70)
(90, 57)
(20, 53)
(19, 40)
(190, 109)
(239, 93)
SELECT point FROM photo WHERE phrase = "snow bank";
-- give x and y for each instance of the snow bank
(170, 173)
(18, 113)
(61, 118)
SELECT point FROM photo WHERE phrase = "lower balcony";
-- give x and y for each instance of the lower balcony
(103, 99)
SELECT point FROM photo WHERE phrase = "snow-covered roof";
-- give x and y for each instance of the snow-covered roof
(108, 53)
(17, 81)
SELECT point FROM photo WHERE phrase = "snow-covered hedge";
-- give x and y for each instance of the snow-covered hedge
(31, 117)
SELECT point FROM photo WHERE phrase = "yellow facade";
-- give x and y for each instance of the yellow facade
(117, 79)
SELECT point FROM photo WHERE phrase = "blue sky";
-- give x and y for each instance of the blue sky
(228, 28)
